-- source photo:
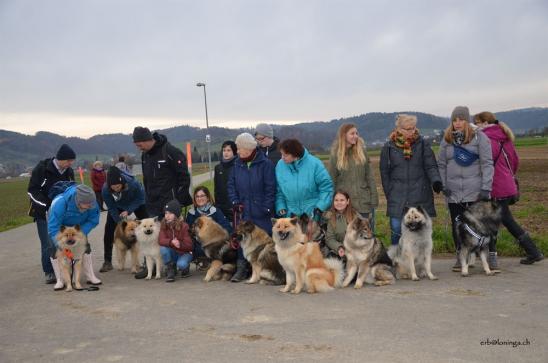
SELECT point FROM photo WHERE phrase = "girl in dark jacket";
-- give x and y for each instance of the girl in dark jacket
(220, 180)
(409, 172)
(252, 191)
(505, 160)
(175, 242)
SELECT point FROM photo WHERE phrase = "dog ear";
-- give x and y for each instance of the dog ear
(294, 221)
(124, 224)
(273, 220)
(155, 219)
(421, 209)
(304, 218)
(292, 215)
(406, 209)
(77, 227)
(138, 221)
(62, 228)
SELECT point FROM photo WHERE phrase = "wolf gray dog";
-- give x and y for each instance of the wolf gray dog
(478, 225)
(366, 255)
(412, 257)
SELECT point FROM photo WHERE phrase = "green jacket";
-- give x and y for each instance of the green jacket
(358, 182)
(334, 236)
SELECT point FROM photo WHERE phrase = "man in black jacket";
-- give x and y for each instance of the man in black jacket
(165, 174)
(44, 175)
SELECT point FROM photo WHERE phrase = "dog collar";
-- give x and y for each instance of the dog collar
(482, 240)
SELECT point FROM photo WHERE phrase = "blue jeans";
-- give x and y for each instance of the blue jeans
(169, 255)
(46, 245)
(395, 228)
(371, 217)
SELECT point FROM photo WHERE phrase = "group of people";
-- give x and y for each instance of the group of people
(260, 177)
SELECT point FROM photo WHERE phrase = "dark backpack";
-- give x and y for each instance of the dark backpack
(59, 187)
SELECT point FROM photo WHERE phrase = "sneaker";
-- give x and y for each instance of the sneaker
(456, 266)
(50, 278)
(107, 266)
(185, 272)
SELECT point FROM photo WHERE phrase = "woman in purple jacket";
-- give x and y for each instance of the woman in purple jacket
(505, 161)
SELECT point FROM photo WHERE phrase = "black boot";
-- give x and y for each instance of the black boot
(531, 250)
(144, 272)
(170, 272)
(242, 271)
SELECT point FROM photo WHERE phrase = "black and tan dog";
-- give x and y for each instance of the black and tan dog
(72, 245)
(215, 243)
(365, 255)
(125, 240)
(259, 250)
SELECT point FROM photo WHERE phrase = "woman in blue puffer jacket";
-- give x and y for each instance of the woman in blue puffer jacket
(304, 185)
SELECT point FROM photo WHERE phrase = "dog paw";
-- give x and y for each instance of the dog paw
(284, 289)
(358, 286)
(433, 277)
(465, 274)
(490, 273)
(295, 291)
(415, 278)
(148, 278)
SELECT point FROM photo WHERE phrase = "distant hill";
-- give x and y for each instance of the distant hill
(25, 150)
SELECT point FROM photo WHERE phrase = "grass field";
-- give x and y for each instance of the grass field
(531, 211)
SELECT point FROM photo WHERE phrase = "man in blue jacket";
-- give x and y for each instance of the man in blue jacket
(75, 206)
(123, 195)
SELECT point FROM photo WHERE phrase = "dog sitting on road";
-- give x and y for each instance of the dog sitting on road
(125, 240)
(259, 250)
(147, 232)
(72, 246)
(412, 257)
(365, 255)
(478, 225)
(216, 245)
(303, 262)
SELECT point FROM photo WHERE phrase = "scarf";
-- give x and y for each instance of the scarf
(204, 209)
(458, 137)
(225, 161)
(404, 143)
(250, 157)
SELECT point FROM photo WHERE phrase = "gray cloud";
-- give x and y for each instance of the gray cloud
(275, 60)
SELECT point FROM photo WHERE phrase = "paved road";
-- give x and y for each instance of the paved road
(132, 320)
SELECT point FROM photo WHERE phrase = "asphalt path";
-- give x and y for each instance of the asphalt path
(453, 319)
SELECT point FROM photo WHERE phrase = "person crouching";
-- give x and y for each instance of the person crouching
(175, 242)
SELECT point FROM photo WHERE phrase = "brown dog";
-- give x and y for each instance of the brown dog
(125, 240)
(303, 262)
(216, 246)
(72, 245)
(259, 250)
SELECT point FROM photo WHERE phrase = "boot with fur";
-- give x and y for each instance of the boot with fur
(59, 285)
(531, 250)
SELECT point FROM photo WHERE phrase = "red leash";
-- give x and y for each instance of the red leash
(234, 243)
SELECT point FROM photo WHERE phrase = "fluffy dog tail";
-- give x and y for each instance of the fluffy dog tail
(335, 266)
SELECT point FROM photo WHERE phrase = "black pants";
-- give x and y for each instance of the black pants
(508, 220)
(110, 226)
(99, 197)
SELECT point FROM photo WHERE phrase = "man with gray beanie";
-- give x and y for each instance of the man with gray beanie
(75, 206)
(268, 143)
(46, 173)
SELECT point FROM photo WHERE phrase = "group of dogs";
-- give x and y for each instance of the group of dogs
(290, 258)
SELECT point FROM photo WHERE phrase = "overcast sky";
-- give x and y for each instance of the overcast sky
(80, 68)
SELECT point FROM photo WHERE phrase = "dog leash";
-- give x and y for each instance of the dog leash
(236, 218)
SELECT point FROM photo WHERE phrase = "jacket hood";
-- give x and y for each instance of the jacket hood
(160, 141)
(495, 132)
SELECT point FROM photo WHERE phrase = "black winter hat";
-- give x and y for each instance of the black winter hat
(174, 207)
(141, 134)
(65, 152)
(232, 145)
(114, 176)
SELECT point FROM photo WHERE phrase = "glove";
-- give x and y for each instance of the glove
(317, 214)
(238, 208)
(485, 196)
(437, 187)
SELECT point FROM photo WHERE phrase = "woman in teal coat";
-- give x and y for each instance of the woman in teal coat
(304, 185)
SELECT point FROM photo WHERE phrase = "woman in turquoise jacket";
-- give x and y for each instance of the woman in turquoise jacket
(75, 206)
(304, 185)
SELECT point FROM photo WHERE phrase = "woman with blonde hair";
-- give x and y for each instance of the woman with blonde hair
(466, 166)
(505, 189)
(350, 170)
(409, 173)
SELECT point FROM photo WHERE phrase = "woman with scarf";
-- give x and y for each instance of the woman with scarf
(409, 173)
(350, 170)
(220, 180)
(505, 190)
(466, 168)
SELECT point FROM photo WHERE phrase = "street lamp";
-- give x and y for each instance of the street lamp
(208, 137)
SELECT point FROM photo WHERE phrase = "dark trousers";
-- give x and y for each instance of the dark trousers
(46, 245)
(508, 220)
(99, 197)
(110, 227)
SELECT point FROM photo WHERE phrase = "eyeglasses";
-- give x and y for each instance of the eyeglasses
(200, 196)
(258, 138)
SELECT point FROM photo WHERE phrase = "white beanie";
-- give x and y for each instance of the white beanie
(246, 141)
